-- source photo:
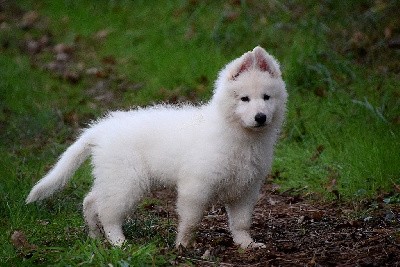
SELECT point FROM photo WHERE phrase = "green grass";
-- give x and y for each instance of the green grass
(343, 113)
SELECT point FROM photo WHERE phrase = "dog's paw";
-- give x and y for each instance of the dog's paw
(118, 243)
(180, 248)
(256, 245)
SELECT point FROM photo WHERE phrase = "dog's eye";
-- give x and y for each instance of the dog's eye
(245, 99)
(266, 97)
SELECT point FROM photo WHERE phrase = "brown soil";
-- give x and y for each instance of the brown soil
(297, 232)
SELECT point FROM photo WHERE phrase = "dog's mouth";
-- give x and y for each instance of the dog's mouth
(260, 125)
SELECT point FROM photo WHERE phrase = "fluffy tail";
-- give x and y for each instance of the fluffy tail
(56, 179)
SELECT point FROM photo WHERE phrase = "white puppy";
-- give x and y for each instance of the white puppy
(219, 151)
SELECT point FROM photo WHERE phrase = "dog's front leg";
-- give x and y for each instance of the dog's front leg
(239, 213)
(190, 207)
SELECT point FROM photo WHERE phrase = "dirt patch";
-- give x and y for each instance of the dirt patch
(297, 232)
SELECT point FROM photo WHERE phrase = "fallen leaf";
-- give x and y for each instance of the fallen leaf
(388, 32)
(32, 47)
(19, 241)
(102, 34)
(72, 76)
(317, 215)
(272, 202)
(62, 57)
(394, 43)
(29, 19)
(321, 92)
(312, 262)
(110, 60)
(206, 255)
(317, 152)
(63, 48)
(396, 186)
(190, 32)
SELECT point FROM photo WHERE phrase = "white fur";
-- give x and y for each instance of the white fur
(217, 151)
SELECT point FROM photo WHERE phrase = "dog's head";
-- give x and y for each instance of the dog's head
(250, 91)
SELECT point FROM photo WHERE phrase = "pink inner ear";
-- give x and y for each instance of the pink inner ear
(263, 65)
(243, 68)
(247, 63)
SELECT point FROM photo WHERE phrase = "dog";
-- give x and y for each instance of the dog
(218, 151)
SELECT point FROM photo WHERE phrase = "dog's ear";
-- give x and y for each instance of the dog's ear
(247, 62)
(265, 62)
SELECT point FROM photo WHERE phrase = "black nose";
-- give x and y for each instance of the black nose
(260, 118)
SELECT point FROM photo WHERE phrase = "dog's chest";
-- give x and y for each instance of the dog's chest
(243, 170)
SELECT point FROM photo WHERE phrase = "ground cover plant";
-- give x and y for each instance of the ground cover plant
(333, 195)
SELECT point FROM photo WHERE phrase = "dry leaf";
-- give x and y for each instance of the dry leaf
(19, 241)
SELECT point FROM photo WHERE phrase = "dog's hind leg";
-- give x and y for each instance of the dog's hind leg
(118, 187)
(116, 199)
(113, 209)
(112, 213)
(91, 215)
